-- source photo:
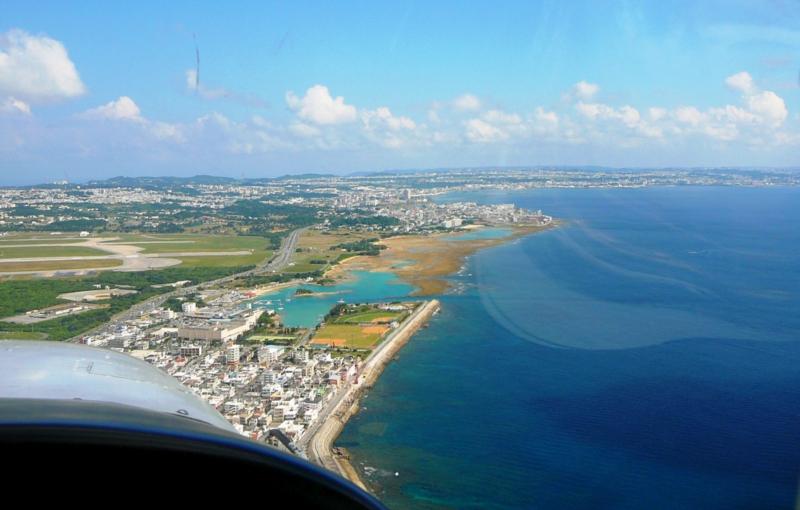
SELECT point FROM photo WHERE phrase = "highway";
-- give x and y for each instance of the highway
(278, 261)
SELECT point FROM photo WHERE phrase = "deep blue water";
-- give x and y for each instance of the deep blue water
(644, 355)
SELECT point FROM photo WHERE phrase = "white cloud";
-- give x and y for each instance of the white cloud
(585, 90)
(318, 107)
(545, 117)
(758, 120)
(742, 82)
(481, 131)
(126, 110)
(766, 106)
(123, 108)
(657, 113)
(36, 68)
(167, 131)
(501, 117)
(769, 106)
(383, 116)
(13, 105)
(689, 115)
(303, 130)
(598, 111)
(467, 103)
(211, 93)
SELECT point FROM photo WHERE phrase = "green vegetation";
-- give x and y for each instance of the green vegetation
(362, 247)
(350, 335)
(358, 221)
(369, 316)
(355, 326)
(324, 248)
(22, 335)
(193, 242)
(19, 296)
(258, 280)
(58, 265)
(74, 225)
(260, 248)
(261, 217)
(49, 251)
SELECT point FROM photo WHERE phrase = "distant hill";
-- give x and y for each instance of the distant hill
(160, 182)
(168, 181)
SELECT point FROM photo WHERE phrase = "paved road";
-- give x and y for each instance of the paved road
(276, 263)
(309, 438)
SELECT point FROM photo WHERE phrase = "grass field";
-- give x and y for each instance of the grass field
(349, 335)
(58, 265)
(39, 240)
(162, 244)
(374, 316)
(42, 237)
(49, 251)
(316, 245)
(22, 335)
(191, 242)
(184, 243)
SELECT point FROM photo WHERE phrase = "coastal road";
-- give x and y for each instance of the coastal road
(317, 443)
(278, 262)
(316, 440)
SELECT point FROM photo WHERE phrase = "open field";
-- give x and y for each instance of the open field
(37, 250)
(33, 253)
(315, 251)
(230, 249)
(43, 237)
(349, 335)
(374, 317)
(171, 243)
(17, 240)
(19, 295)
(22, 335)
(425, 261)
(58, 265)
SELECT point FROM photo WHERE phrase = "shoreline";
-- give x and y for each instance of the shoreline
(426, 261)
(320, 449)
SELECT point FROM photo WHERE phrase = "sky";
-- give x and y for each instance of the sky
(91, 90)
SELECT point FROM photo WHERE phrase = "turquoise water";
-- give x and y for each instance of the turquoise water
(645, 355)
(308, 310)
(483, 233)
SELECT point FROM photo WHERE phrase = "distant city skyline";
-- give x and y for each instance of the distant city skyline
(89, 91)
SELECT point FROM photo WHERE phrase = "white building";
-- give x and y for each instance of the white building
(233, 353)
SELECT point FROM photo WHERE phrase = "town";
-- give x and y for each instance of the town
(395, 202)
(271, 382)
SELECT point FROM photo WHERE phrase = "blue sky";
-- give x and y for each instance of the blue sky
(91, 90)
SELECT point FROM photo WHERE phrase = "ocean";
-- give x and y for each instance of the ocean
(646, 354)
